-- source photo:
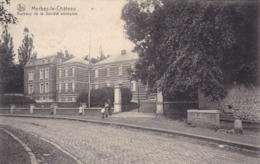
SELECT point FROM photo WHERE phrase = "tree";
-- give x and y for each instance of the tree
(185, 45)
(25, 50)
(101, 57)
(5, 16)
(6, 61)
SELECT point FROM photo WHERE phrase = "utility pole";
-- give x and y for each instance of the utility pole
(89, 71)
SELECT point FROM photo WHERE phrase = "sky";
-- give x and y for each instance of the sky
(95, 19)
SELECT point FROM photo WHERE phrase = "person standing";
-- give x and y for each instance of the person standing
(104, 111)
(109, 106)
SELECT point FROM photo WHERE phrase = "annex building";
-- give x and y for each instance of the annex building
(55, 78)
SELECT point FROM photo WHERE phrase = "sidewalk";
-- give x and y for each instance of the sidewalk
(165, 125)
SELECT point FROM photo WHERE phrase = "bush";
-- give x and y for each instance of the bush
(126, 96)
(15, 99)
(99, 96)
(82, 98)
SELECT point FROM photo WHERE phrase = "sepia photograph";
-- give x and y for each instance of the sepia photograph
(129, 81)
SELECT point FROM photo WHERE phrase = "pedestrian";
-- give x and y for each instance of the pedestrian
(104, 111)
(80, 110)
(109, 106)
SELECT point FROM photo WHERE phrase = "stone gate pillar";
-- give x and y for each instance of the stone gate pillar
(84, 106)
(159, 102)
(32, 106)
(54, 107)
(12, 108)
(118, 98)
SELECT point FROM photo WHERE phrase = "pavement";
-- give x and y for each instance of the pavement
(106, 144)
(151, 122)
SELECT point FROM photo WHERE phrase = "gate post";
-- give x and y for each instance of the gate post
(12, 108)
(32, 106)
(54, 107)
(118, 98)
(159, 102)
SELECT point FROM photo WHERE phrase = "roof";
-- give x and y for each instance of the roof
(41, 61)
(76, 60)
(119, 58)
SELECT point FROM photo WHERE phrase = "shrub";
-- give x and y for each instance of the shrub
(15, 99)
(126, 96)
(99, 96)
(82, 98)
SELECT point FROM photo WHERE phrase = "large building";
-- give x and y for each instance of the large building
(40, 78)
(55, 78)
(116, 70)
(71, 79)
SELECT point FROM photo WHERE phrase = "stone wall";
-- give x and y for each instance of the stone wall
(247, 100)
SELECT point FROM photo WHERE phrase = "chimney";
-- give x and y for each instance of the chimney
(123, 52)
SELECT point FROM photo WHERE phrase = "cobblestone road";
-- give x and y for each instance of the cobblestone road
(92, 143)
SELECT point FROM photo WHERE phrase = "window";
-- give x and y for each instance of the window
(74, 99)
(30, 75)
(133, 85)
(133, 69)
(73, 86)
(107, 84)
(66, 87)
(96, 73)
(146, 87)
(30, 89)
(108, 72)
(41, 74)
(46, 87)
(120, 70)
(72, 71)
(60, 73)
(60, 86)
(41, 88)
(96, 85)
(66, 72)
(70, 99)
(46, 73)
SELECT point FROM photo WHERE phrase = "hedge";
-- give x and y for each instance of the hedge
(14, 99)
(99, 96)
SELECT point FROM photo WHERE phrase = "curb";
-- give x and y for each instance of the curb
(204, 138)
(27, 149)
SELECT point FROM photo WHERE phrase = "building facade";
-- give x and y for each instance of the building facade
(115, 70)
(40, 78)
(55, 78)
(72, 79)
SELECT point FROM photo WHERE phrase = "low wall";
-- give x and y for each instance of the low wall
(204, 118)
(246, 99)
(178, 108)
(47, 111)
(5, 110)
